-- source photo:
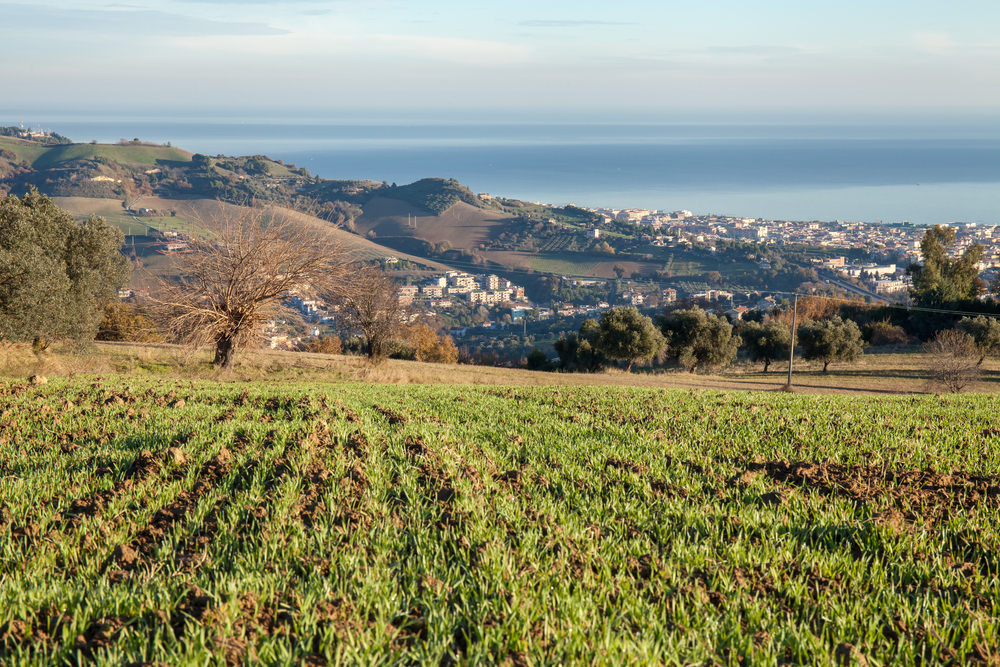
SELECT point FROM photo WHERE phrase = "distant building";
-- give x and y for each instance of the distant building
(406, 294)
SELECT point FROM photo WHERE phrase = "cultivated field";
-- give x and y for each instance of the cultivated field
(194, 522)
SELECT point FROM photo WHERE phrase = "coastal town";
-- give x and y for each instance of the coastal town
(857, 259)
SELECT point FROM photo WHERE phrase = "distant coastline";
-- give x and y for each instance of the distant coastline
(786, 173)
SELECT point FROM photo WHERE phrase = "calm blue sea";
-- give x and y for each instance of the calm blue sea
(923, 173)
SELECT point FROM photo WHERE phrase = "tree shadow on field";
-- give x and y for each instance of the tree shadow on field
(867, 539)
(123, 453)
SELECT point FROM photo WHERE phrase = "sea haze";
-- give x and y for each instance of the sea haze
(923, 173)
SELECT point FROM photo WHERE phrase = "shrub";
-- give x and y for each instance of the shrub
(884, 332)
(430, 346)
(953, 359)
(122, 322)
(985, 332)
(538, 360)
(325, 345)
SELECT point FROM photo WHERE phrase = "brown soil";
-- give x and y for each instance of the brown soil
(394, 418)
(415, 446)
(129, 557)
(310, 505)
(933, 494)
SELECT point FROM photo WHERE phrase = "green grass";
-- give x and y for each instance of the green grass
(24, 150)
(42, 157)
(393, 524)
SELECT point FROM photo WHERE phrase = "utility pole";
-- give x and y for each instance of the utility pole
(791, 342)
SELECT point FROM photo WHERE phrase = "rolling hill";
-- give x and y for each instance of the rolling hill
(434, 221)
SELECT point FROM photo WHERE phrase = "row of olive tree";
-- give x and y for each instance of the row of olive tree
(697, 339)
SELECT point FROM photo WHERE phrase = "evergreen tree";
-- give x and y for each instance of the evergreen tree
(699, 339)
(55, 274)
(628, 335)
(942, 279)
(766, 342)
(831, 340)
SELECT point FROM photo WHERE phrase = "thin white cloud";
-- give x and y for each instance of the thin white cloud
(934, 42)
(125, 20)
(405, 49)
(569, 23)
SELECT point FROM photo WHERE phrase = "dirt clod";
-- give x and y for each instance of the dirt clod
(176, 456)
(125, 555)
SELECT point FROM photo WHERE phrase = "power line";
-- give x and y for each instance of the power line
(885, 304)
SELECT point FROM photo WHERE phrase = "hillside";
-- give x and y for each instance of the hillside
(156, 520)
(440, 221)
(436, 219)
(48, 157)
(196, 215)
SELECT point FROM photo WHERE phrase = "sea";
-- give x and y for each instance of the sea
(923, 172)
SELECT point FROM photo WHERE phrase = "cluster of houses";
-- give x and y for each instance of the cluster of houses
(169, 241)
(445, 290)
(902, 240)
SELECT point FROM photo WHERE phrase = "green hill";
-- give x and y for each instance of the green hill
(45, 157)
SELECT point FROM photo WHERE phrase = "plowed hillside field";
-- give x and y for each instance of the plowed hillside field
(175, 522)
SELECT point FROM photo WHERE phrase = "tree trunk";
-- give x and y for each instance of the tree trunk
(693, 368)
(980, 362)
(825, 364)
(767, 365)
(224, 348)
(628, 368)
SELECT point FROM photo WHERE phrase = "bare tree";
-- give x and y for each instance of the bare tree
(954, 358)
(369, 302)
(234, 283)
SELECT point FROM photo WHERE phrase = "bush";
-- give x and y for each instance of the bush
(581, 351)
(122, 322)
(430, 346)
(954, 357)
(985, 332)
(325, 345)
(884, 332)
(538, 361)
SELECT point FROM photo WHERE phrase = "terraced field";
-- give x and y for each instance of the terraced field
(175, 522)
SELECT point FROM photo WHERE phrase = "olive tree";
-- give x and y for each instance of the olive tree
(628, 335)
(56, 274)
(829, 340)
(766, 342)
(698, 339)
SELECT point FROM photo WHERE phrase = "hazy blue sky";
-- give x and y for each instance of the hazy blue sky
(627, 56)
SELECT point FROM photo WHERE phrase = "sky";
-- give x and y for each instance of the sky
(605, 59)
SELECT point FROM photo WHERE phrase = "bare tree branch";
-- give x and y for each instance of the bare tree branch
(369, 302)
(234, 283)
